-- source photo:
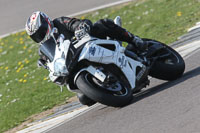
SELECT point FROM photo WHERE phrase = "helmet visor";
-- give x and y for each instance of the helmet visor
(40, 34)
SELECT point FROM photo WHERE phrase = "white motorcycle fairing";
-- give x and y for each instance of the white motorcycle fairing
(110, 52)
(57, 67)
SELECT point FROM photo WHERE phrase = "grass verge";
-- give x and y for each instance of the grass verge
(25, 89)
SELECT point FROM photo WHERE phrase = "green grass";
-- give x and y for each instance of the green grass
(26, 90)
(162, 20)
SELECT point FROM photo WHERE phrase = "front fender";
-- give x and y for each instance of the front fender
(94, 71)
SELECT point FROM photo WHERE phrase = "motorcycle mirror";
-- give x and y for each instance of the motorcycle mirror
(54, 31)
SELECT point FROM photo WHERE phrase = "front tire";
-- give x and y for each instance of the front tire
(97, 93)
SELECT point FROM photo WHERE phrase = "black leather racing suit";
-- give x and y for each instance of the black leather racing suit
(101, 29)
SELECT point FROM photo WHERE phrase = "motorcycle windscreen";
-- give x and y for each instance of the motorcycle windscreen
(48, 49)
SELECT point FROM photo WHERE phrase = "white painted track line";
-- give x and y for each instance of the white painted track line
(188, 48)
(45, 125)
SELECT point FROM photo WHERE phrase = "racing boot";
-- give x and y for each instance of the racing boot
(137, 44)
(118, 21)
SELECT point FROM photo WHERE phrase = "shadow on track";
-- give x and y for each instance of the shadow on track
(151, 91)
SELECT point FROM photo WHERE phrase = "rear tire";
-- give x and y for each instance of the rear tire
(101, 95)
(166, 69)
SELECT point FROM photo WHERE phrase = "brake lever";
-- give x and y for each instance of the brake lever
(41, 63)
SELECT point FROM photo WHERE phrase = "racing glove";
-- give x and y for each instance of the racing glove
(82, 30)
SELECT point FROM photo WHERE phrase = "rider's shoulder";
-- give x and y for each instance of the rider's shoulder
(62, 19)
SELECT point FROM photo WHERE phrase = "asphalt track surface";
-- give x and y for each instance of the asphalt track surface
(14, 13)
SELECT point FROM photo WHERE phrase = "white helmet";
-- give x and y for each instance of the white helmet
(39, 27)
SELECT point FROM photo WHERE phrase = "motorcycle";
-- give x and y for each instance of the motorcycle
(106, 72)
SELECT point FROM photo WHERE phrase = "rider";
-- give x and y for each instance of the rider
(39, 27)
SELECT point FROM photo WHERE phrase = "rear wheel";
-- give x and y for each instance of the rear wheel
(170, 67)
(112, 93)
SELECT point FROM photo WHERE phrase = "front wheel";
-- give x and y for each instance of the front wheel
(170, 67)
(111, 94)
